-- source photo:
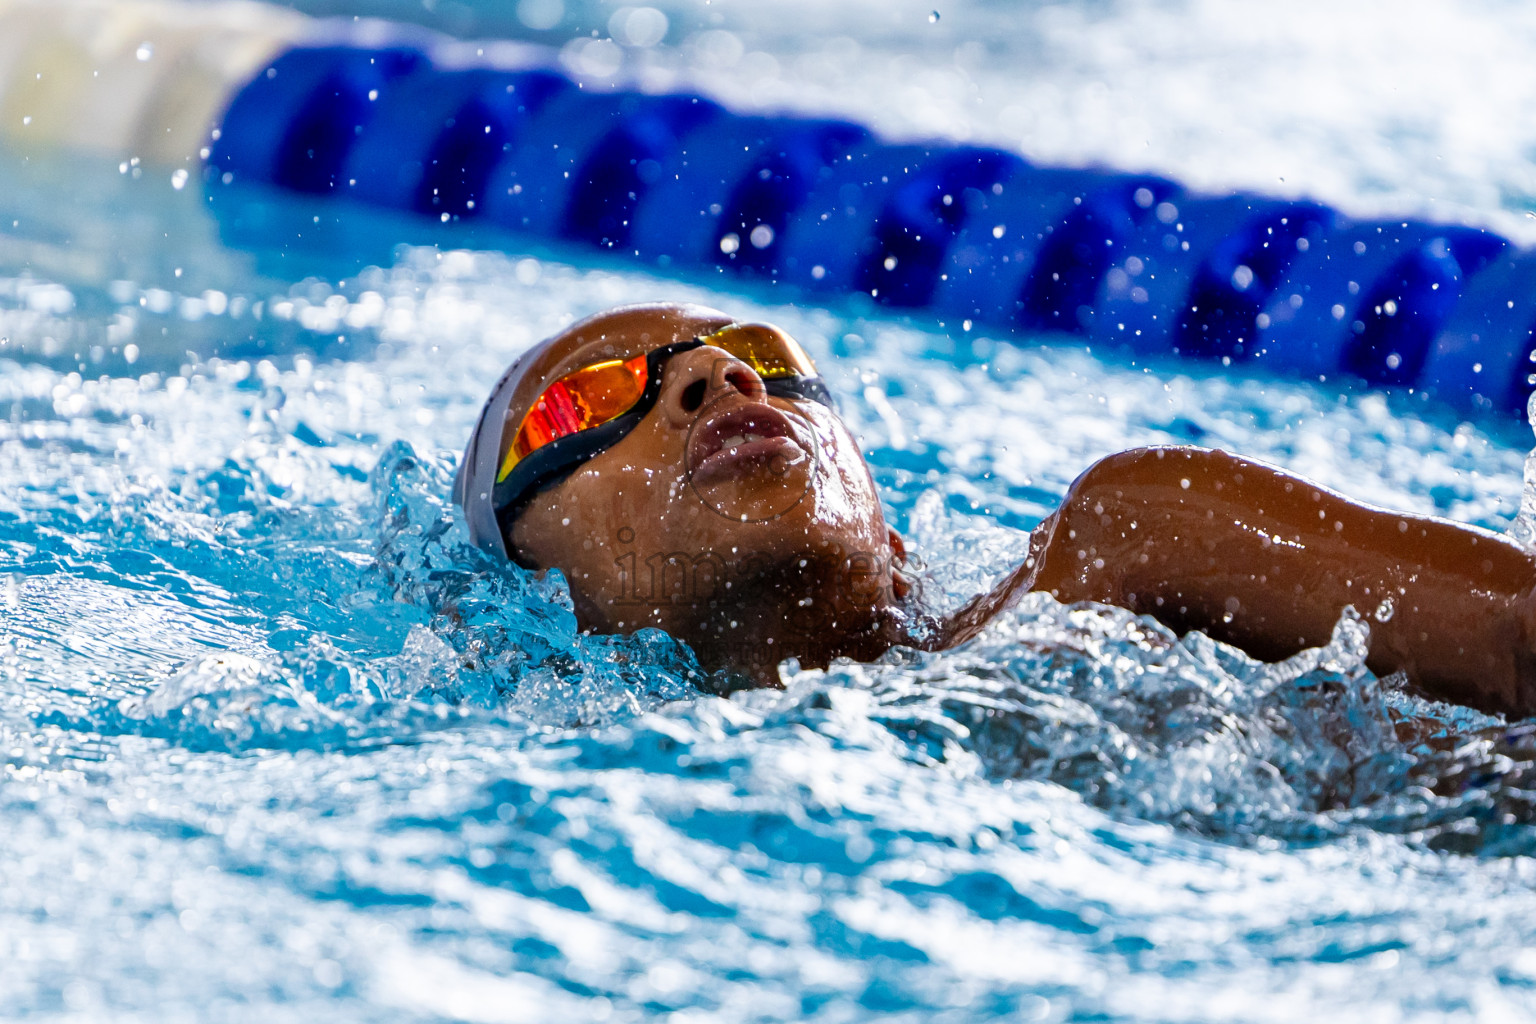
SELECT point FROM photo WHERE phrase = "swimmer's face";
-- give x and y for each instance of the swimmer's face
(746, 524)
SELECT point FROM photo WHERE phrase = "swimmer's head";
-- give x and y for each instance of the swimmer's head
(687, 472)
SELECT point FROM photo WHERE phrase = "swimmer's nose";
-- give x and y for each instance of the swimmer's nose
(694, 379)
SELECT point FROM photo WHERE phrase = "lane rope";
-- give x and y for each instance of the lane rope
(976, 239)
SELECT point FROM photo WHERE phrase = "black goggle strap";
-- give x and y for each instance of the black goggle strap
(803, 389)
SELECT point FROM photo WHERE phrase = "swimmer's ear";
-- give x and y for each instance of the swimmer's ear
(901, 584)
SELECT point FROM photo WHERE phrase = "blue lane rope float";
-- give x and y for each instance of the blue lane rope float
(976, 238)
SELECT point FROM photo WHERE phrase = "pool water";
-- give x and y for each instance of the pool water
(279, 745)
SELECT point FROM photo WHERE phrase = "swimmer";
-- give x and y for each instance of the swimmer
(689, 472)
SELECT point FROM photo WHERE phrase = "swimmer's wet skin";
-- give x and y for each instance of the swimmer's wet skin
(714, 493)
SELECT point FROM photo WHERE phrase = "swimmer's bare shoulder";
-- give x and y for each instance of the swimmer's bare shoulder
(1267, 561)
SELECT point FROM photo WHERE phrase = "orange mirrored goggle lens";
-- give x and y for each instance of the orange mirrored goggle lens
(587, 398)
(593, 395)
(768, 350)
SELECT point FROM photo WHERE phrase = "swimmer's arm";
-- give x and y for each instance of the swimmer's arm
(1266, 561)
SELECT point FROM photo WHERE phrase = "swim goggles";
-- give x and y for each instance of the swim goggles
(593, 408)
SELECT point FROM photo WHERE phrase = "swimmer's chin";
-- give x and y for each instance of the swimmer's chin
(744, 659)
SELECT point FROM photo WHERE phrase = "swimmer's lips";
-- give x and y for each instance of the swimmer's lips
(741, 441)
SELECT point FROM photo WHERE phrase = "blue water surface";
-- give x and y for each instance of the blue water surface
(278, 744)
